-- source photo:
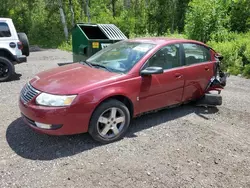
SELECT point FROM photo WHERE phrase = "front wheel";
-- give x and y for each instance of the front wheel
(109, 121)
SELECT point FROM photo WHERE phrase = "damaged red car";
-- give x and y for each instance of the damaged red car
(126, 79)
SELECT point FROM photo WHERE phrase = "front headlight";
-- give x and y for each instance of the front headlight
(55, 100)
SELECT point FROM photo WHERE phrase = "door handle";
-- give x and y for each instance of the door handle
(207, 68)
(178, 75)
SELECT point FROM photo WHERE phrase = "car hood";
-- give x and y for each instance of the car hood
(71, 79)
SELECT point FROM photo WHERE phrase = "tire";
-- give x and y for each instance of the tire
(115, 131)
(6, 64)
(24, 39)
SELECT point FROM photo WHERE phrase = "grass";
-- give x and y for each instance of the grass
(66, 46)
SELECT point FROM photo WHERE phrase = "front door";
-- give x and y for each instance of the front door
(160, 90)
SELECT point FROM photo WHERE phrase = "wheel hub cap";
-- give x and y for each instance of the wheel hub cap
(111, 122)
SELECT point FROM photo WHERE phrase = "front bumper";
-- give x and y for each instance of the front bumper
(65, 120)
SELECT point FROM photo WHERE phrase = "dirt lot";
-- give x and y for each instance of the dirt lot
(183, 147)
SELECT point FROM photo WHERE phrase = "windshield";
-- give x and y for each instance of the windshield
(120, 56)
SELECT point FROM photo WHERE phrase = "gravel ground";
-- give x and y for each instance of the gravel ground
(183, 147)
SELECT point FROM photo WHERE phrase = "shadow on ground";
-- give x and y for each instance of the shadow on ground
(35, 48)
(15, 77)
(29, 144)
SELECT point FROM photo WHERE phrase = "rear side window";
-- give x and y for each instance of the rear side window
(4, 30)
(195, 53)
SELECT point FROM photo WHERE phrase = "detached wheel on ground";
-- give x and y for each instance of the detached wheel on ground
(6, 69)
(109, 121)
(210, 99)
(24, 39)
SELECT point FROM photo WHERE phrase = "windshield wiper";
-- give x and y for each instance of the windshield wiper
(95, 65)
(87, 63)
(102, 66)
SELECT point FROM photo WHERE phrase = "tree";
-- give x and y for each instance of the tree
(72, 13)
(240, 15)
(165, 15)
(205, 19)
(63, 20)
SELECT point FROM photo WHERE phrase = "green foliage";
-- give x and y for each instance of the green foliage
(213, 21)
(206, 19)
(167, 34)
(223, 24)
(240, 15)
(236, 53)
(246, 71)
(66, 45)
(166, 15)
(39, 19)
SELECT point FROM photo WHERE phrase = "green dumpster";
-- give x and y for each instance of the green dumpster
(87, 39)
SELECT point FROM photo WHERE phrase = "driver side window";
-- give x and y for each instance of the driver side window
(167, 57)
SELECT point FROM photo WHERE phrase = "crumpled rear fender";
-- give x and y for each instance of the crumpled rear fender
(219, 80)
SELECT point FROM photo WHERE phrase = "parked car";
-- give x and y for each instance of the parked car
(126, 79)
(14, 48)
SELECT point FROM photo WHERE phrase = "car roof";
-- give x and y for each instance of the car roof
(5, 19)
(163, 40)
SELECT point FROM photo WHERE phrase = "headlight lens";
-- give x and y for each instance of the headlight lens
(55, 100)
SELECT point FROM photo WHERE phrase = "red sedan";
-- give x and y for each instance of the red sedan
(126, 79)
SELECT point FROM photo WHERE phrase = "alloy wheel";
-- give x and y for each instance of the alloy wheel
(111, 122)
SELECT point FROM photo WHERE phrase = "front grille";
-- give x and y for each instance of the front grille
(28, 93)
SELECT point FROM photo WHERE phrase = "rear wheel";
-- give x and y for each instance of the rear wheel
(24, 39)
(109, 121)
(6, 69)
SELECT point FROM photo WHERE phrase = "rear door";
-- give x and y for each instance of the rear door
(160, 90)
(198, 69)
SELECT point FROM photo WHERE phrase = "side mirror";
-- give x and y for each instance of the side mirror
(152, 70)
